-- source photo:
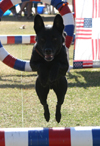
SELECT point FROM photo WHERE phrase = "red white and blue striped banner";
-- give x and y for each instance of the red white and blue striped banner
(17, 39)
(76, 136)
(87, 39)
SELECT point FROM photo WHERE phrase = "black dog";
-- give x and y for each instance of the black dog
(49, 59)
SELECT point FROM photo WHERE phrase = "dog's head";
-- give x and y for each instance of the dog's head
(49, 40)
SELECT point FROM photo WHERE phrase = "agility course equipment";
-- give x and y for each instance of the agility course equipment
(75, 136)
(12, 62)
(67, 16)
(87, 39)
(17, 39)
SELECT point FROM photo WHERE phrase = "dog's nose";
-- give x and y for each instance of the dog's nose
(48, 50)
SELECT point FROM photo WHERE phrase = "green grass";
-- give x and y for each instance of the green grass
(19, 104)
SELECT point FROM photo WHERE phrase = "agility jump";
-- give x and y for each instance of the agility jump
(75, 136)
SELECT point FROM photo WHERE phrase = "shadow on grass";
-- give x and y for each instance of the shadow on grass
(79, 79)
(17, 83)
(84, 79)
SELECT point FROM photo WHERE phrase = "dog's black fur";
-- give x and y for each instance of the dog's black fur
(49, 59)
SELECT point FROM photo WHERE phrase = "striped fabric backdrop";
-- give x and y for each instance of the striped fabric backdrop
(76, 136)
(87, 41)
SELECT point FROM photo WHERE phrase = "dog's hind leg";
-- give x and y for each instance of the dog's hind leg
(60, 89)
(42, 93)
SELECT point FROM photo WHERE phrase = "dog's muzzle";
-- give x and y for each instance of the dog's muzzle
(48, 55)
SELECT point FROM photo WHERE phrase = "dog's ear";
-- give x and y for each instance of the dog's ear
(38, 23)
(58, 23)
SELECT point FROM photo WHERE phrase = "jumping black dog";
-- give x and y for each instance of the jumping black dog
(49, 59)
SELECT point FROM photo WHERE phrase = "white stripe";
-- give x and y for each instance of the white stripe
(14, 2)
(27, 66)
(46, 1)
(68, 19)
(25, 39)
(3, 53)
(81, 136)
(3, 39)
(16, 138)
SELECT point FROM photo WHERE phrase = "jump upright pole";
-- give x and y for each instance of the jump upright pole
(75, 136)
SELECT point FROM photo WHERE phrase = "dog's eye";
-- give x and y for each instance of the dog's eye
(42, 40)
(54, 39)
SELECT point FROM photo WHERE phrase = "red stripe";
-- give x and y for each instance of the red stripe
(5, 5)
(96, 9)
(64, 9)
(88, 66)
(96, 47)
(59, 137)
(2, 138)
(32, 39)
(68, 41)
(99, 50)
(85, 61)
(79, 18)
(92, 50)
(10, 40)
(92, 8)
(83, 37)
(83, 34)
(10, 61)
(99, 9)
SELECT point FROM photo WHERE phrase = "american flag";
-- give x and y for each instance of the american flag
(83, 28)
(87, 17)
(83, 64)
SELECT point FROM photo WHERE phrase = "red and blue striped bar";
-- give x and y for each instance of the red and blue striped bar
(75, 136)
(12, 62)
(58, 4)
(17, 39)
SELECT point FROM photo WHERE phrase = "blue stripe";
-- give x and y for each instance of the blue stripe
(18, 39)
(19, 65)
(1, 45)
(1, 13)
(57, 3)
(96, 137)
(38, 137)
(69, 29)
